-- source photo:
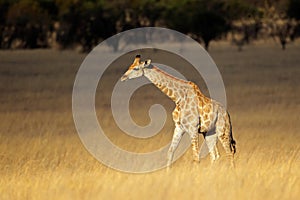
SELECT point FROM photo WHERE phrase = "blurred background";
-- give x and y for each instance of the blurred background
(82, 24)
(254, 43)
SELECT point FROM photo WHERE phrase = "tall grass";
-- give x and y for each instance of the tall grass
(41, 156)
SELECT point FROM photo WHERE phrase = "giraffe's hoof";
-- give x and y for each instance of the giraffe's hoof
(169, 164)
(168, 168)
(196, 159)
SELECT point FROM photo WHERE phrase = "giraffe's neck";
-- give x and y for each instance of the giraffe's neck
(167, 83)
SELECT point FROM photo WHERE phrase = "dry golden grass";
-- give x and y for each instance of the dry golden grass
(41, 156)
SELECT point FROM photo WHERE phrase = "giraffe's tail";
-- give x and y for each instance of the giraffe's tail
(232, 145)
(232, 141)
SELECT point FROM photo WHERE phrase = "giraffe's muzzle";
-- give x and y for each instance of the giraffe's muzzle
(124, 77)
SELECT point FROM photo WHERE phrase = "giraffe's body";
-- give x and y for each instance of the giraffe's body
(194, 113)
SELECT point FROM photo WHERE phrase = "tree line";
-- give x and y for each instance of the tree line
(67, 23)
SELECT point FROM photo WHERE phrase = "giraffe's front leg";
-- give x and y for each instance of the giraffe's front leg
(178, 132)
(211, 142)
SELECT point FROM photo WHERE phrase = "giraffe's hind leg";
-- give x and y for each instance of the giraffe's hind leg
(216, 152)
(223, 129)
(195, 146)
(225, 139)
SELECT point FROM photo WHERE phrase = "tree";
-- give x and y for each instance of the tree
(204, 20)
(293, 9)
(27, 22)
(209, 26)
(281, 26)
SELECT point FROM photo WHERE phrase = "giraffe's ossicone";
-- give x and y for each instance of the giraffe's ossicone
(194, 113)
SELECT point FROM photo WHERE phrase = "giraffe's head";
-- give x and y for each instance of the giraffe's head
(136, 69)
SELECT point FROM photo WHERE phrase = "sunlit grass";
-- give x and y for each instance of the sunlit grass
(42, 157)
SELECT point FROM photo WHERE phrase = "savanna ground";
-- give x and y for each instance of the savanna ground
(42, 157)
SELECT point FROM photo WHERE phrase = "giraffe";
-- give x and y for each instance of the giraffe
(194, 113)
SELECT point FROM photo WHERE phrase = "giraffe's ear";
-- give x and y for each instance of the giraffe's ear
(137, 59)
(147, 62)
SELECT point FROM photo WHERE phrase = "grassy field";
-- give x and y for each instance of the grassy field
(42, 157)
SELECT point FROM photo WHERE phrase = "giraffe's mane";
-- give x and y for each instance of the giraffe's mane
(190, 83)
(169, 75)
